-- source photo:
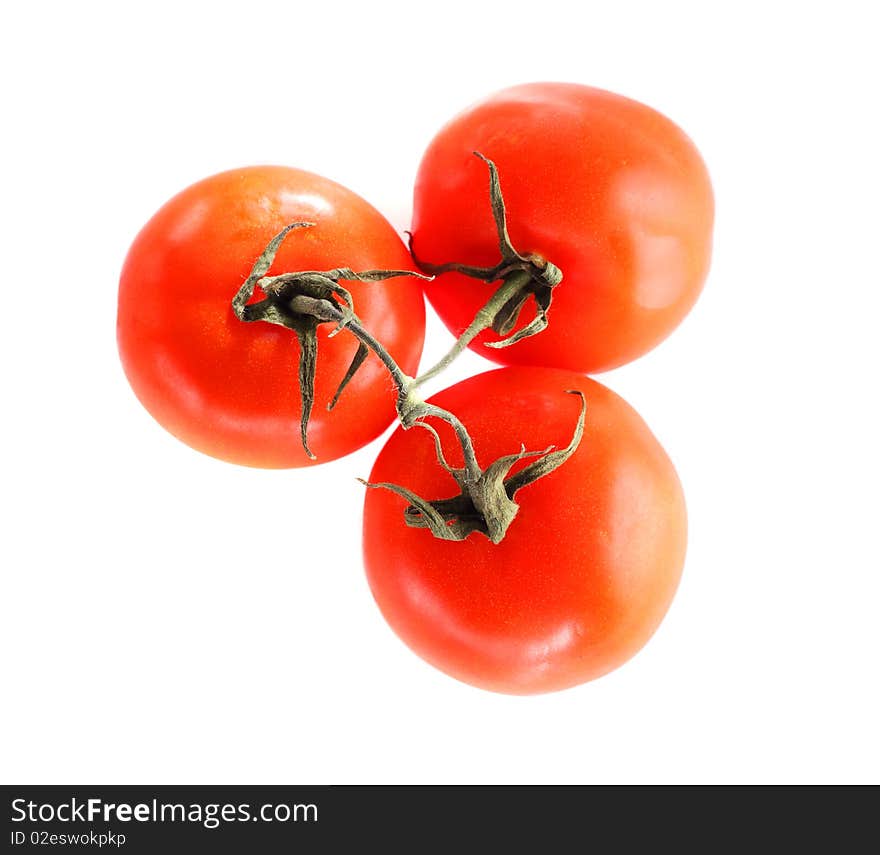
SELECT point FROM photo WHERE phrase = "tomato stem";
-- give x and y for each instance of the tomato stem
(484, 319)
(303, 300)
(410, 408)
(485, 503)
(324, 310)
(532, 275)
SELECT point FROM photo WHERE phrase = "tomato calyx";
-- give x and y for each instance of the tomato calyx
(521, 276)
(301, 302)
(486, 501)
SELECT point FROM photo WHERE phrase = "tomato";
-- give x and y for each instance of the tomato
(607, 189)
(228, 388)
(587, 568)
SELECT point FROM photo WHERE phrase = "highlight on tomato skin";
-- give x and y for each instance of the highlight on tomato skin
(227, 388)
(607, 189)
(587, 569)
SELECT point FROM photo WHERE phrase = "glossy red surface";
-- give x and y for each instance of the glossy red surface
(609, 190)
(229, 388)
(588, 567)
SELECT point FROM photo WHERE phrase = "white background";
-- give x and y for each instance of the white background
(144, 639)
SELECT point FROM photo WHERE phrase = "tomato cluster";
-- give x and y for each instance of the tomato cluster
(527, 540)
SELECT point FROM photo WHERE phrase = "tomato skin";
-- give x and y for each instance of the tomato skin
(228, 388)
(606, 188)
(588, 567)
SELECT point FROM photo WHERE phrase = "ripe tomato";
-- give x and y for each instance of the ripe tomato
(588, 566)
(229, 388)
(609, 190)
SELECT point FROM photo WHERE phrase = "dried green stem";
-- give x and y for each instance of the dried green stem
(410, 408)
(303, 300)
(485, 503)
(482, 321)
(521, 276)
(324, 310)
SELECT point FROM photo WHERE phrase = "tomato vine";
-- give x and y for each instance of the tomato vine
(301, 301)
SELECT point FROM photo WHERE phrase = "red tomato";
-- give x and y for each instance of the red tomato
(229, 388)
(610, 191)
(588, 566)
